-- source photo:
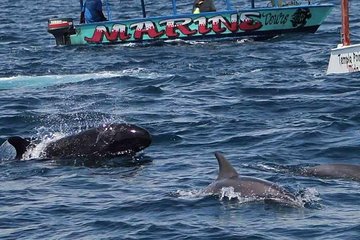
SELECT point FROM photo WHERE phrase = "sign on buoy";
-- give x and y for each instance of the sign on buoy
(346, 57)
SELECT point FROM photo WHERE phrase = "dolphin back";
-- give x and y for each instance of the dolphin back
(226, 170)
(337, 170)
(249, 187)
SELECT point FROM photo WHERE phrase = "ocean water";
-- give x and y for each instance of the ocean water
(267, 105)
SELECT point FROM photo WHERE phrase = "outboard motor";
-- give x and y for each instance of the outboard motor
(61, 28)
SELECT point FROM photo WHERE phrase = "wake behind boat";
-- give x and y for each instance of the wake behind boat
(265, 21)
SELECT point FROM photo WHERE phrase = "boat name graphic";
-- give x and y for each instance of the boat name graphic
(173, 28)
(273, 19)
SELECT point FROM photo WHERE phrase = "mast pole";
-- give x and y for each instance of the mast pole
(345, 22)
(252, 3)
(143, 8)
(108, 10)
(174, 6)
(228, 5)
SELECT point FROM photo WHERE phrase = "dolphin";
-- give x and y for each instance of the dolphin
(108, 140)
(249, 187)
(335, 170)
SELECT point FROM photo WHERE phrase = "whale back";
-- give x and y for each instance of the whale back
(104, 141)
(77, 145)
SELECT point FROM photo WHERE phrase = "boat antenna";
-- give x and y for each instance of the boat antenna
(143, 8)
(345, 22)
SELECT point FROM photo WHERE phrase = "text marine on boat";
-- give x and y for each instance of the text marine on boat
(263, 19)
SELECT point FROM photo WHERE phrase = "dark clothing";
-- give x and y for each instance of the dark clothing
(204, 5)
(92, 11)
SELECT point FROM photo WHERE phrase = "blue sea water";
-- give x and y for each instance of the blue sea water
(267, 105)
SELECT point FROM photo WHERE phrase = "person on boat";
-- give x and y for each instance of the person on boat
(203, 6)
(276, 3)
(92, 12)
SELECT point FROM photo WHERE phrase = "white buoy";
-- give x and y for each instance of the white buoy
(346, 57)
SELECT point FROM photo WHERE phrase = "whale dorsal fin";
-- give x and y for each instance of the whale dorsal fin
(20, 145)
(225, 168)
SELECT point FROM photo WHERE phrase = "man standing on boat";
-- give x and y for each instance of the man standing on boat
(203, 6)
(91, 11)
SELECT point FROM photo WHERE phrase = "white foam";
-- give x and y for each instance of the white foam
(310, 195)
(190, 194)
(191, 42)
(38, 149)
(48, 80)
(229, 193)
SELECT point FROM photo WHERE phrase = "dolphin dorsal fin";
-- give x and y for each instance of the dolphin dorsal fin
(20, 145)
(226, 170)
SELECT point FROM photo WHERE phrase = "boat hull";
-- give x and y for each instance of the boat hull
(257, 22)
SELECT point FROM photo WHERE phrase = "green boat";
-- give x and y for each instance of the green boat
(250, 22)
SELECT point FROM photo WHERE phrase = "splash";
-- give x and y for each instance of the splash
(244, 40)
(37, 150)
(310, 198)
(190, 194)
(229, 193)
(7, 151)
(185, 42)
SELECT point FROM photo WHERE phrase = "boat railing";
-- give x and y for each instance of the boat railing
(181, 7)
(243, 4)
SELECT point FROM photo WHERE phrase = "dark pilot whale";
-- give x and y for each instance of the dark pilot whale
(108, 140)
(336, 170)
(249, 187)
